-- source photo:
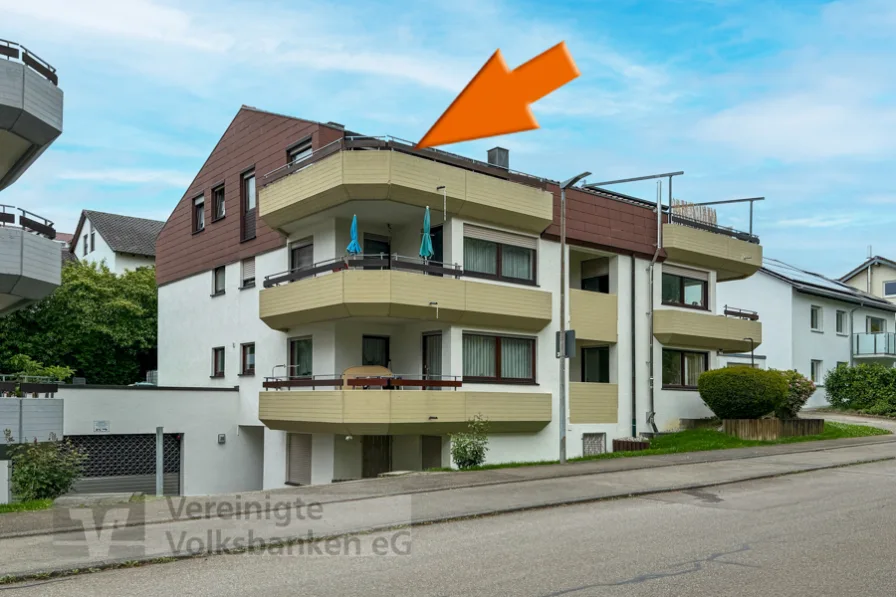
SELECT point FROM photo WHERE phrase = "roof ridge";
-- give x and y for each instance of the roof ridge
(109, 213)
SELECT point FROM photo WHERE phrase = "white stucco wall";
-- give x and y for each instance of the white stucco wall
(207, 467)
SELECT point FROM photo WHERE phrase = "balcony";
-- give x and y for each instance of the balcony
(694, 329)
(874, 346)
(400, 287)
(395, 405)
(30, 260)
(384, 168)
(593, 315)
(733, 255)
(593, 403)
(30, 110)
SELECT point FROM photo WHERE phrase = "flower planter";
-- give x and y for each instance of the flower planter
(772, 429)
(630, 444)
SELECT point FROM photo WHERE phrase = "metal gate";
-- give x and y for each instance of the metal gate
(125, 463)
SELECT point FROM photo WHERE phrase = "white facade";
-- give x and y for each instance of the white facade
(789, 340)
(90, 246)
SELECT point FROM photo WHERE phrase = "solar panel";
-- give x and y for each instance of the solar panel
(797, 275)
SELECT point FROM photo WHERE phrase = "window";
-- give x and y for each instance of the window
(301, 255)
(890, 288)
(485, 258)
(501, 359)
(875, 325)
(92, 240)
(597, 284)
(85, 244)
(375, 351)
(596, 364)
(248, 199)
(681, 368)
(248, 359)
(249, 190)
(218, 285)
(218, 362)
(815, 318)
(199, 214)
(815, 371)
(683, 291)
(300, 353)
(248, 273)
(299, 152)
(841, 322)
(842, 364)
(218, 203)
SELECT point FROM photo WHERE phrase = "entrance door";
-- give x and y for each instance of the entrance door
(376, 455)
(432, 357)
(375, 351)
(432, 451)
(298, 459)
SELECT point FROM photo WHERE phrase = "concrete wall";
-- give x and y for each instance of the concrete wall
(199, 415)
(30, 268)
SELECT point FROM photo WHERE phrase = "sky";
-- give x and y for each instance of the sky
(792, 100)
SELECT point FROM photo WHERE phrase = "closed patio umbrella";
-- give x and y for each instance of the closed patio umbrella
(426, 244)
(353, 247)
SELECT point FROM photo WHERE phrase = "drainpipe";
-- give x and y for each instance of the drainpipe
(634, 357)
(852, 338)
(659, 244)
(868, 279)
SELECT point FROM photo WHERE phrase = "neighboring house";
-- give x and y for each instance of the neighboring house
(65, 239)
(257, 293)
(812, 323)
(876, 276)
(122, 242)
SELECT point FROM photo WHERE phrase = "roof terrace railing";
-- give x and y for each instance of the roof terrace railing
(15, 51)
(27, 220)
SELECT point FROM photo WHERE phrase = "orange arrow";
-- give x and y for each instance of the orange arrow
(496, 101)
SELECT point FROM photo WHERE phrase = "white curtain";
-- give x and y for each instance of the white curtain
(516, 358)
(694, 365)
(516, 262)
(479, 356)
(480, 256)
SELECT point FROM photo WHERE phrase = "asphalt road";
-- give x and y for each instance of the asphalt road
(824, 533)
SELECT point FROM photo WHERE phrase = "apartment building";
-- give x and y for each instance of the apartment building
(813, 324)
(876, 276)
(121, 242)
(30, 120)
(291, 269)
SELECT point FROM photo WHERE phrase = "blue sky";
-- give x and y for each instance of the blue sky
(792, 100)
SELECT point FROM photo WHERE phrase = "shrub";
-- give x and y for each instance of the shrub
(43, 471)
(799, 389)
(867, 388)
(742, 392)
(468, 448)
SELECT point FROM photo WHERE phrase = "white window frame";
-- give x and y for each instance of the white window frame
(215, 290)
(844, 330)
(868, 319)
(299, 151)
(816, 367)
(883, 287)
(819, 319)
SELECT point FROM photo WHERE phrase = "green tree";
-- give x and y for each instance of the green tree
(101, 325)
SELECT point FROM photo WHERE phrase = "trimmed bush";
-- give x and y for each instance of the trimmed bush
(865, 388)
(45, 470)
(468, 448)
(742, 392)
(799, 389)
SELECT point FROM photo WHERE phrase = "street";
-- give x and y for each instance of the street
(819, 533)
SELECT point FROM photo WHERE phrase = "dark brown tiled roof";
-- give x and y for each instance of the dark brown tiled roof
(124, 234)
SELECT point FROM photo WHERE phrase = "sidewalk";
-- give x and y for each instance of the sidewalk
(382, 504)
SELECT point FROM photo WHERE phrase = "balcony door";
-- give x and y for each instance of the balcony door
(432, 357)
(375, 351)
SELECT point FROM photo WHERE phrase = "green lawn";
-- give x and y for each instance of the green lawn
(699, 440)
(25, 506)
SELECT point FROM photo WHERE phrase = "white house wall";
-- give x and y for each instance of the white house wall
(207, 467)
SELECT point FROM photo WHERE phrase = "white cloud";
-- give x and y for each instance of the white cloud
(130, 176)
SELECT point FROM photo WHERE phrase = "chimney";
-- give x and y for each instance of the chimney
(500, 157)
(336, 125)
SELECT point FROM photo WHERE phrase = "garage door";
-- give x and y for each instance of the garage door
(298, 459)
(124, 463)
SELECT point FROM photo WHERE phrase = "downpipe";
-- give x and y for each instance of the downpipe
(651, 413)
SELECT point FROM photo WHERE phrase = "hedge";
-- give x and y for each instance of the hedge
(742, 392)
(866, 388)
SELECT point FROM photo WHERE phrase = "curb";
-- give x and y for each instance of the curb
(51, 574)
(884, 439)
